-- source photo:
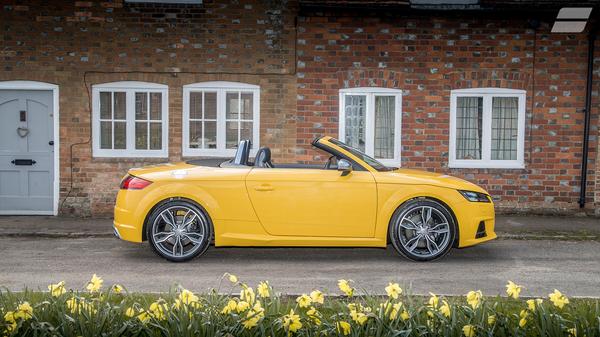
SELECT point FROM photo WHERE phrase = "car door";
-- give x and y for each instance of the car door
(314, 202)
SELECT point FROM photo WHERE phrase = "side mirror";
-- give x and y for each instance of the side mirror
(344, 166)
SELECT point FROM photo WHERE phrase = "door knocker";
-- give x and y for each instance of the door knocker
(22, 132)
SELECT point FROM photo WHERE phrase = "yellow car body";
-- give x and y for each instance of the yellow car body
(250, 206)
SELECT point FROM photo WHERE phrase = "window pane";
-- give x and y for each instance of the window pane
(355, 121)
(120, 135)
(505, 113)
(195, 105)
(141, 106)
(155, 136)
(384, 126)
(105, 105)
(120, 105)
(247, 106)
(231, 135)
(210, 135)
(106, 135)
(246, 132)
(468, 127)
(155, 106)
(195, 135)
(231, 105)
(141, 136)
(210, 105)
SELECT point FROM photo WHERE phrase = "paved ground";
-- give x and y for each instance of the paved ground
(540, 265)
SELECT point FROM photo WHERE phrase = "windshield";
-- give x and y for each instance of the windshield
(372, 162)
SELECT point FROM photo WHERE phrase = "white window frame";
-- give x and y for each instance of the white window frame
(486, 141)
(130, 88)
(371, 93)
(220, 87)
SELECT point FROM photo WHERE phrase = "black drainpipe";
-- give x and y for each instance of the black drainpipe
(588, 107)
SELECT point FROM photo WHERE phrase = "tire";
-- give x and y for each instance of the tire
(179, 230)
(422, 243)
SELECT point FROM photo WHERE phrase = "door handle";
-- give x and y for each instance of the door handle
(263, 188)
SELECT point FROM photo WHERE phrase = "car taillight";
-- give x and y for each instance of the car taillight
(134, 183)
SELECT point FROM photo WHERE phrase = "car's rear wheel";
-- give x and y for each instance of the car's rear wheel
(422, 230)
(179, 230)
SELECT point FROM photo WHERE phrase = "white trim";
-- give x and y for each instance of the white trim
(35, 85)
(486, 161)
(130, 87)
(220, 87)
(371, 93)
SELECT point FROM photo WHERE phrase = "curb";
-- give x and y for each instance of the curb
(72, 235)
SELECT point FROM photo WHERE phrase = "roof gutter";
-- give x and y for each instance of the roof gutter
(587, 111)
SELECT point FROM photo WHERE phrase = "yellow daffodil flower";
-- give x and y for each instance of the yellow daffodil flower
(445, 309)
(345, 287)
(468, 330)
(232, 278)
(393, 290)
(57, 289)
(343, 327)
(513, 290)
(158, 309)
(291, 322)
(523, 315)
(95, 284)
(303, 301)
(188, 297)
(242, 306)
(314, 315)
(229, 307)
(130, 312)
(117, 288)
(474, 298)
(359, 317)
(143, 316)
(247, 294)
(317, 297)
(263, 289)
(533, 304)
(24, 311)
(558, 299)
(433, 301)
(404, 315)
(254, 316)
(491, 319)
(572, 332)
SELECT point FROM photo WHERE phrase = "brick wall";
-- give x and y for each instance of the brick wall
(427, 57)
(253, 42)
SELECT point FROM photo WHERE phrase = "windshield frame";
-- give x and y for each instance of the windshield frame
(368, 160)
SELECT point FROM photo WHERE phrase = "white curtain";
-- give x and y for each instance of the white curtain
(505, 112)
(384, 126)
(468, 127)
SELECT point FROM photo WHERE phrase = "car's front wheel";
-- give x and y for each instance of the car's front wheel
(179, 230)
(422, 230)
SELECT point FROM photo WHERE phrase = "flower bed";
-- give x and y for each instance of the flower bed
(259, 311)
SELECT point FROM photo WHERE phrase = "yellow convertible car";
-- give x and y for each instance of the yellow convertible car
(351, 200)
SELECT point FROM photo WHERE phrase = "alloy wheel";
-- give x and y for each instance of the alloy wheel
(179, 231)
(424, 231)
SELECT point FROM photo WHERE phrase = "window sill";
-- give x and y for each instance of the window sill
(497, 166)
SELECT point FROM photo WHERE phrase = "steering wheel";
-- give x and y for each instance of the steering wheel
(329, 161)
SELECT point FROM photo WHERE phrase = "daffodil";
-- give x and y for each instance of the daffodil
(314, 315)
(433, 301)
(513, 290)
(229, 307)
(532, 304)
(343, 327)
(345, 287)
(232, 278)
(523, 315)
(130, 312)
(572, 332)
(95, 284)
(445, 309)
(393, 290)
(158, 309)
(317, 297)
(263, 289)
(247, 294)
(11, 321)
(468, 330)
(474, 298)
(188, 298)
(24, 311)
(57, 289)
(491, 319)
(558, 299)
(117, 288)
(359, 317)
(254, 316)
(404, 315)
(242, 306)
(291, 322)
(303, 301)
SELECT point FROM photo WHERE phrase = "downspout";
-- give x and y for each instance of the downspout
(587, 110)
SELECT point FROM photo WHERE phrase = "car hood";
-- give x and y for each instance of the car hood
(418, 177)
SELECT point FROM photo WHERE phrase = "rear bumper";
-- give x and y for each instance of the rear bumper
(469, 221)
(127, 224)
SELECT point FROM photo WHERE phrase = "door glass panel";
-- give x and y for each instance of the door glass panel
(105, 105)
(155, 106)
(231, 135)
(141, 135)
(120, 106)
(384, 126)
(141, 105)
(106, 135)
(505, 112)
(355, 121)
(120, 135)
(155, 136)
(468, 127)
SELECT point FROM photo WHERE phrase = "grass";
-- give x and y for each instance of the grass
(246, 311)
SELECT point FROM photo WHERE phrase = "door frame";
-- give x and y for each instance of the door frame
(43, 86)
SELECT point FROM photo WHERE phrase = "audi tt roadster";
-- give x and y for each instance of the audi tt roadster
(351, 200)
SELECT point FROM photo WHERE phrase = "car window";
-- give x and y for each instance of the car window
(372, 162)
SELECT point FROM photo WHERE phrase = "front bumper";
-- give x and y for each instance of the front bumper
(472, 215)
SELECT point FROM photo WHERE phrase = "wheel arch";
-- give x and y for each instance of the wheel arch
(169, 199)
(443, 203)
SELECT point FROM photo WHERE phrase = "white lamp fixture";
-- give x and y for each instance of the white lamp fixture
(571, 19)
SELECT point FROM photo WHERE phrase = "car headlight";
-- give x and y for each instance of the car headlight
(475, 196)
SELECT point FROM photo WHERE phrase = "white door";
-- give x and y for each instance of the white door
(26, 152)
